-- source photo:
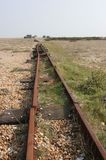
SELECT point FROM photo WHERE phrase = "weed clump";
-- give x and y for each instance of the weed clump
(94, 83)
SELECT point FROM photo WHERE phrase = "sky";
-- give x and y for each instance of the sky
(52, 17)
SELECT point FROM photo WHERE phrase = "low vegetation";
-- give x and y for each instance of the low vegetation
(52, 90)
(73, 38)
(87, 83)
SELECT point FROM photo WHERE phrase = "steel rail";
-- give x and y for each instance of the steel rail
(97, 148)
(35, 94)
(31, 130)
(30, 141)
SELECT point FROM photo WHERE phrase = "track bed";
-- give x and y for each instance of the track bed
(58, 134)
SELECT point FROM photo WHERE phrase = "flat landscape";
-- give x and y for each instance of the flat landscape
(83, 65)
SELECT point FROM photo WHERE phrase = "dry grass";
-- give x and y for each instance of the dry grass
(83, 65)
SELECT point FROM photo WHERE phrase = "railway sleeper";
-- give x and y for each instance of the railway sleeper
(14, 116)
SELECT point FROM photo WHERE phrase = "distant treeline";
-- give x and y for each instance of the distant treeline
(75, 38)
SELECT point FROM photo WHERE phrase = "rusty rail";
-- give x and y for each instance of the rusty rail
(35, 94)
(30, 142)
(93, 142)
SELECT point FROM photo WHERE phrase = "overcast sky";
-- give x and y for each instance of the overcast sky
(52, 17)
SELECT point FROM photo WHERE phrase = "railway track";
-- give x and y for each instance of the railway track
(57, 129)
(62, 131)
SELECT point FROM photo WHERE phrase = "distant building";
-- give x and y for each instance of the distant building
(28, 36)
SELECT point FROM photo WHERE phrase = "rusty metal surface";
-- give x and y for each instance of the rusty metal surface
(35, 94)
(33, 110)
(94, 143)
(30, 145)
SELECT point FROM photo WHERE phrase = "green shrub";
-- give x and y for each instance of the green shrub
(96, 81)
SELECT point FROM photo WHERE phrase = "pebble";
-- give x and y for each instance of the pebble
(11, 140)
(11, 96)
(58, 144)
(103, 123)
